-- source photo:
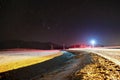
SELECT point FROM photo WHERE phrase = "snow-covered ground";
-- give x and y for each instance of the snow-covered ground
(29, 53)
(8, 56)
(110, 54)
(15, 59)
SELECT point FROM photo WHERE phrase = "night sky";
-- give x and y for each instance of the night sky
(61, 21)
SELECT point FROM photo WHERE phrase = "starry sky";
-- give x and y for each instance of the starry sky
(60, 21)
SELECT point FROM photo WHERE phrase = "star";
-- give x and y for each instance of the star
(48, 28)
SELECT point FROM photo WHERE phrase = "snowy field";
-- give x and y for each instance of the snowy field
(110, 54)
(15, 59)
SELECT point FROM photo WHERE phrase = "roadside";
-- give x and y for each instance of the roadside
(110, 54)
(85, 66)
(99, 69)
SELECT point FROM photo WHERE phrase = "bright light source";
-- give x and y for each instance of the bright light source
(93, 42)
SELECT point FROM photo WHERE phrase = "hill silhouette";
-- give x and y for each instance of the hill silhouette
(10, 44)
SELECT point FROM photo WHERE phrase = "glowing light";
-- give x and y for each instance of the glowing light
(93, 42)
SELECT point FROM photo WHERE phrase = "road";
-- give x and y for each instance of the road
(70, 66)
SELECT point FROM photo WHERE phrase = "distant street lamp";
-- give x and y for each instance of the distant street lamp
(63, 46)
(93, 42)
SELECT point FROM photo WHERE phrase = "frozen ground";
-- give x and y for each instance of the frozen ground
(15, 59)
(110, 54)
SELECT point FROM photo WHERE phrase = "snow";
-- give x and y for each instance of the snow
(110, 54)
(29, 53)
(16, 59)
(8, 56)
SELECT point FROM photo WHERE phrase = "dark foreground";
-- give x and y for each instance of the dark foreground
(76, 65)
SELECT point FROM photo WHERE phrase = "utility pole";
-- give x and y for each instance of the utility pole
(52, 47)
(63, 46)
